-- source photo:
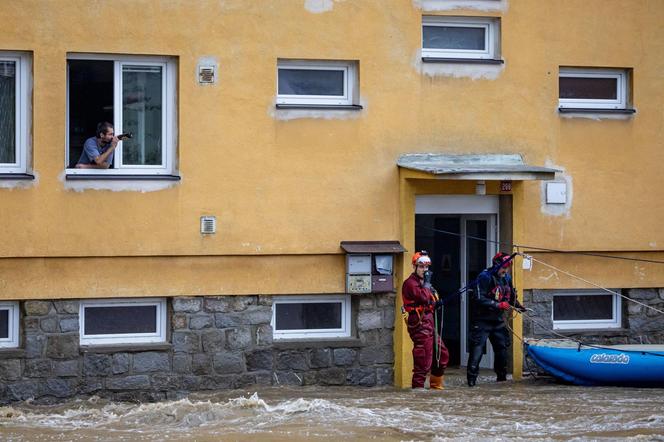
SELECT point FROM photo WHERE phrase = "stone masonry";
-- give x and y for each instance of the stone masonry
(214, 343)
(640, 325)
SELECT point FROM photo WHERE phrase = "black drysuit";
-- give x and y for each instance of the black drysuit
(487, 321)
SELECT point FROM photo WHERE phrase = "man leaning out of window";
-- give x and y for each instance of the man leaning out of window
(98, 151)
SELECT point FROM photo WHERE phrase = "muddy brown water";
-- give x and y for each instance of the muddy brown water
(531, 409)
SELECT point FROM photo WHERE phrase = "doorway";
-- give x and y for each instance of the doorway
(460, 245)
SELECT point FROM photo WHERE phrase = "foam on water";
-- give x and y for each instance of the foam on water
(490, 411)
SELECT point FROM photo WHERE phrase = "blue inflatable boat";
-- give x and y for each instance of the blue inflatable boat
(621, 365)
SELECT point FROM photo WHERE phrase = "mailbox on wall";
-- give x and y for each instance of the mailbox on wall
(370, 265)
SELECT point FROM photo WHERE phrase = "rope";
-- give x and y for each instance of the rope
(542, 249)
(597, 285)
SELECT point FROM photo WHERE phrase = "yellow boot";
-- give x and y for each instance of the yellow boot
(436, 382)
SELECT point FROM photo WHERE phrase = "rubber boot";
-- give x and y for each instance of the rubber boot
(436, 382)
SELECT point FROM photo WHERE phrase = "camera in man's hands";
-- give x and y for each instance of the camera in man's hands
(125, 135)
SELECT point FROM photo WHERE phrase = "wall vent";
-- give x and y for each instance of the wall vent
(208, 225)
(206, 74)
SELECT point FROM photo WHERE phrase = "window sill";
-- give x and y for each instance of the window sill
(585, 110)
(109, 177)
(124, 348)
(320, 106)
(316, 343)
(16, 176)
(11, 353)
(462, 60)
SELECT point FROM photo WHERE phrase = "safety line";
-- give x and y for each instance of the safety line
(597, 285)
(541, 249)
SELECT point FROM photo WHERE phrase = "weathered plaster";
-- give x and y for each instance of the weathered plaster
(448, 5)
(117, 186)
(599, 116)
(325, 114)
(557, 209)
(319, 6)
(457, 70)
(20, 184)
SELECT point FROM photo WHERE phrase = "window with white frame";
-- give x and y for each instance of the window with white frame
(582, 88)
(301, 317)
(586, 309)
(9, 324)
(15, 74)
(473, 38)
(137, 95)
(317, 83)
(123, 321)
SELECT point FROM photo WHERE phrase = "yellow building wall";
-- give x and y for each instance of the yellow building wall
(288, 191)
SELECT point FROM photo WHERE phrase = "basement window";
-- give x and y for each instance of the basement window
(135, 94)
(300, 317)
(9, 322)
(327, 84)
(461, 39)
(597, 89)
(126, 321)
(586, 309)
(15, 103)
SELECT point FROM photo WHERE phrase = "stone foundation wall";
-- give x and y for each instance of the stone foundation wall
(639, 324)
(214, 343)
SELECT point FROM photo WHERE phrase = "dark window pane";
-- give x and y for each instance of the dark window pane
(4, 324)
(120, 320)
(90, 101)
(311, 82)
(453, 37)
(582, 307)
(7, 112)
(588, 88)
(319, 315)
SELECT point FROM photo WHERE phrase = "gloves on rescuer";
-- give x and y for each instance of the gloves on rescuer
(427, 279)
(503, 305)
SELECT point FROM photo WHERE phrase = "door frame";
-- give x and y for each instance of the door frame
(491, 248)
(466, 207)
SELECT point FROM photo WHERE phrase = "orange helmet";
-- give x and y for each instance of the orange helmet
(421, 257)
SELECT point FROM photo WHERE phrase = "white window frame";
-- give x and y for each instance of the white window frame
(23, 63)
(169, 115)
(349, 69)
(491, 37)
(620, 102)
(11, 341)
(343, 332)
(159, 336)
(588, 324)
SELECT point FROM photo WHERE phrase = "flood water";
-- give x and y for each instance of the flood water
(532, 409)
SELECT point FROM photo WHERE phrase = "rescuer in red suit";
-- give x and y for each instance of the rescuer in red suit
(419, 303)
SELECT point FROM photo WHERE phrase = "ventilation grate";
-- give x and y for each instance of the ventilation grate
(206, 74)
(208, 225)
